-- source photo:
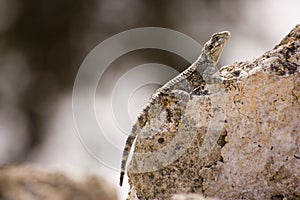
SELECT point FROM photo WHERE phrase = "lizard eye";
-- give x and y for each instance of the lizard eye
(161, 140)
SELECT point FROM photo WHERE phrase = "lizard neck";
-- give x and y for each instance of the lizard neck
(205, 65)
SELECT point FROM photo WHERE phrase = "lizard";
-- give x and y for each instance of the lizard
(191, 81)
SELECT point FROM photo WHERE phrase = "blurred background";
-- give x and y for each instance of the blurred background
(43, 43)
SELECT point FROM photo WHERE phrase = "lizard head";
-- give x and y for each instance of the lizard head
(213, 48)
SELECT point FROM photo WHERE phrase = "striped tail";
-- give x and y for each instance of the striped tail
(126, 152)
(141, 121)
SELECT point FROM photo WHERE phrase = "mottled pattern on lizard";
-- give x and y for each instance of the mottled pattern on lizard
(189, 81)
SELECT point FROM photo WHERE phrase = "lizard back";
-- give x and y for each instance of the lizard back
(189, 81)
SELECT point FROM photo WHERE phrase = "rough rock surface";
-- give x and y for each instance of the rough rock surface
(29, 183)
(257, 155)
(191, 197)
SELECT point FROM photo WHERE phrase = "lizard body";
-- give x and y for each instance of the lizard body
(190, 81)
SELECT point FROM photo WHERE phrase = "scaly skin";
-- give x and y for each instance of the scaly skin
(190, 81)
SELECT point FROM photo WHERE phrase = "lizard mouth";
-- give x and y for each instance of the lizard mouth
(214, 47)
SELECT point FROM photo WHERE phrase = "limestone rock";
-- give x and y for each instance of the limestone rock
(29, 183)
(257, 154)
(191, 197)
